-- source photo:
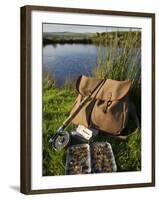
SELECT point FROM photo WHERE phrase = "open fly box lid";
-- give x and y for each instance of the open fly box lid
(78, 159)
(84, 134)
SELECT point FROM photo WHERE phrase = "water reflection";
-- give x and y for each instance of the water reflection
(68, 61)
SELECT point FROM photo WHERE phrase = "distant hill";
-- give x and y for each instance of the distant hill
(66, 37)
(105, 38)
(64, 34)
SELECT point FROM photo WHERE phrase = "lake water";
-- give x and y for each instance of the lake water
(69, 61)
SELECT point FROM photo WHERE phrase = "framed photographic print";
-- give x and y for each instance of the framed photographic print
(87, 99)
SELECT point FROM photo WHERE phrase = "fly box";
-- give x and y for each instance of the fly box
(102, 158)
(95, 158)
(78, 159)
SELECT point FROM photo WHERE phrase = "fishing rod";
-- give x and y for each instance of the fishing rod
(61, 137)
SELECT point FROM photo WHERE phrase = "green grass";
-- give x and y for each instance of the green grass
(127, 152)
(56, 106)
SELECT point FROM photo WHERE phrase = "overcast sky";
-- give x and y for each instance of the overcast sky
(80, 29)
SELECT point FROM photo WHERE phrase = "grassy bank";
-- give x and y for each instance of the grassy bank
(57, 103)
(67, 38)
(56, 107)
(104, 38)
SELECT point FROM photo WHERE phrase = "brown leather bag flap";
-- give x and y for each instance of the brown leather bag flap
(114, 90)
(111, 90)
(85, 85)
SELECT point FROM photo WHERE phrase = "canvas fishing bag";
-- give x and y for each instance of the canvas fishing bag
(107, 109)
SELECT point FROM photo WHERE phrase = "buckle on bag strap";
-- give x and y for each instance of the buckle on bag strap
(108, 102)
